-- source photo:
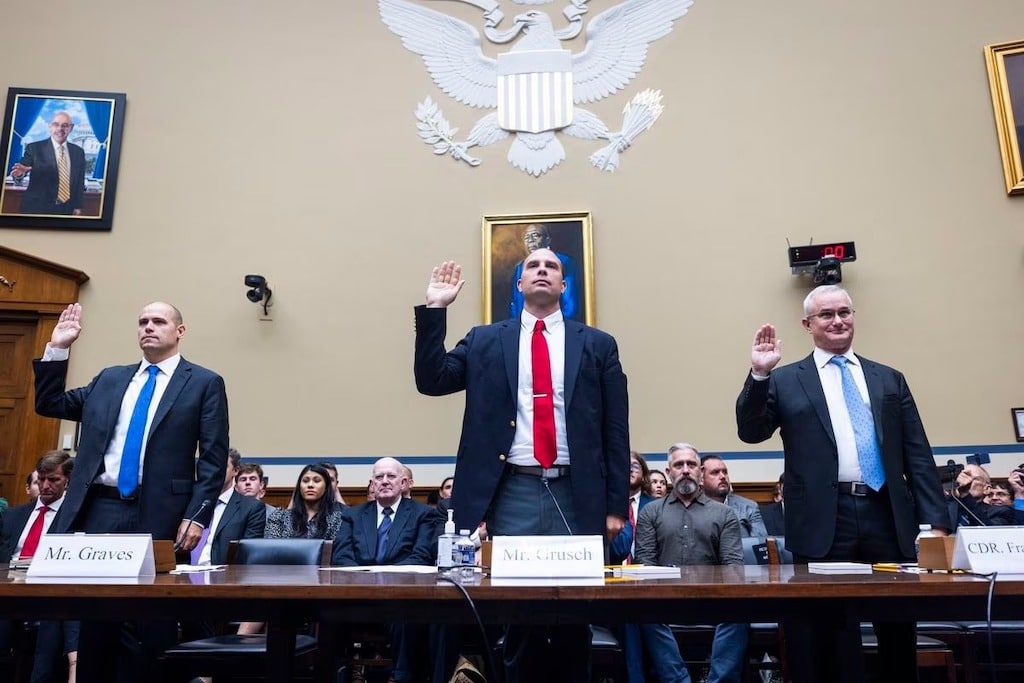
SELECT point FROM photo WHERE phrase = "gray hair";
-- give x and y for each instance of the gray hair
(682, 446)
(821, 291)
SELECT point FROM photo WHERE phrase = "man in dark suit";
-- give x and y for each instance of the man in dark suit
(859, 473)
(774, 514)
(136, 470)
(234, 517)
(392, 530)
(47, 191)
(545, 435)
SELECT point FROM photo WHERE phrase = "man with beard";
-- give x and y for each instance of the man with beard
(688, 528)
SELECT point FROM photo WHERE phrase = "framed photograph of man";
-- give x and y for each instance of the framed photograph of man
(509, 239)
(1018, 422)
(1005, 63)
(60, 150)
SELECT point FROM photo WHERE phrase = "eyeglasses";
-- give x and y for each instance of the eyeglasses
(635, 467)
(62, 126)
(829, 316)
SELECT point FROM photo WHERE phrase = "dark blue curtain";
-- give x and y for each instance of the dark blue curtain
(25, 116)
(99, 118)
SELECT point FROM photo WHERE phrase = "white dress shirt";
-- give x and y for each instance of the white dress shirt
(832, 384)
(47, 521)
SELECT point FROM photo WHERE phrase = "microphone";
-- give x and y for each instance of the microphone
(191, 520)
(558, 507)
(968, 510)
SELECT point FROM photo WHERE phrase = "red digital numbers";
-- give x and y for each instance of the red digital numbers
(837, 250)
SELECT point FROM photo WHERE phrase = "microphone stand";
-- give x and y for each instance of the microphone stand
(191, 520)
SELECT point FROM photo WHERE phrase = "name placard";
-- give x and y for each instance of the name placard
(987, 549)
(93, 555)
(517, 557)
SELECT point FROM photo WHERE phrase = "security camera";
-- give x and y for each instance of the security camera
(255, 280)
(828, 271)
(260, 292)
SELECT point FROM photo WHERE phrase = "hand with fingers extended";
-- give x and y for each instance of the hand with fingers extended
(68, 327)
(445, 284)
(766, 351)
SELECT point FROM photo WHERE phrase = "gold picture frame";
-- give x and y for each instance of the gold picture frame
(570, 235)
(1005, 62)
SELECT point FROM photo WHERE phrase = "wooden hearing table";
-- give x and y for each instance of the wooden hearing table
(290, 595)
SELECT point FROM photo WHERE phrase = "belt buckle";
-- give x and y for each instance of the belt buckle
(859, 488)
(550, 473)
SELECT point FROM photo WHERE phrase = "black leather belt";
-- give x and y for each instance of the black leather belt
(538, 471)
(856, 488)
(101, 491)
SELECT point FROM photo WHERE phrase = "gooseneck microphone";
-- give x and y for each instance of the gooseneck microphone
(191, 520)
(557, 506)
(951, 464)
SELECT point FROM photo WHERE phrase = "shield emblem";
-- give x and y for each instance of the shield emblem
(535, 90)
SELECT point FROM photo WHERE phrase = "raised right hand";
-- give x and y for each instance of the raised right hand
(68, 327)
(766, 351)
(445, 284)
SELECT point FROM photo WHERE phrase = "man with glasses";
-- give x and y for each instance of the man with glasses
(57, 182)
(859, 474)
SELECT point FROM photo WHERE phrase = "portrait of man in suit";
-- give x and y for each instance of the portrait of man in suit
(545, 433)
(859, 473)
(137, 468)
(56, 172)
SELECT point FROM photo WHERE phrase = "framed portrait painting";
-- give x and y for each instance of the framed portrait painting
(60, 150)
(1018, 423)
(509, 239)
(1005, 63)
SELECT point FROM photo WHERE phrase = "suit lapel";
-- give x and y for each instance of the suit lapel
(114, 409)
(873, 380)
(398, 524)
(510, 351)
(573, 355)
(234, 503)
(177, 382)
(807, 374)
(369, 524)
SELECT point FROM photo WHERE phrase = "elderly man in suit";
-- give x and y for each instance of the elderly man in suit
(391, 530)
(545, 435)
(859, 473)
(136, 470)
(57, 181)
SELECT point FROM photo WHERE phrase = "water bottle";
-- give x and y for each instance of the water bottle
(923, 531)
(446, 546)
(465, 551)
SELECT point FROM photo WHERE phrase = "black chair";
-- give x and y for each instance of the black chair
(232, 656)
(930, 652)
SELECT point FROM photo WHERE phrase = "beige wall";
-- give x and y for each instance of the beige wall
(278, 138)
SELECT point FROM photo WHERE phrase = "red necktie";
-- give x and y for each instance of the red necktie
(543, 400)
(35, 532)
(632, 525)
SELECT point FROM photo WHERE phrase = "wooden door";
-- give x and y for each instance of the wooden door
(16, 339)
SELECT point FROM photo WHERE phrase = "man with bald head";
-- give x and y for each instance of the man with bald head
(545, 434)
(136, 470)
(56, 171)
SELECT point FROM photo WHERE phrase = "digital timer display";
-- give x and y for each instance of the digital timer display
(811, 254)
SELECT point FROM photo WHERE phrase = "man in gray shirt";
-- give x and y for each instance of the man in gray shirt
(686, 528)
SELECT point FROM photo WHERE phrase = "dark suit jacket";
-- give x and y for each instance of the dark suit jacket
(243, 517)
(14, 523)
(618, 551)
(41, 193)
(193, 413)
(411, 540)
(486, 365)
(792, 401)
(774, 516)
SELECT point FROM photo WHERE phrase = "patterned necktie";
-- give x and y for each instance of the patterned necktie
(128, 477)
(382, 534)
(868, 453)
(543, 400)
(63, 176)
(35, 532)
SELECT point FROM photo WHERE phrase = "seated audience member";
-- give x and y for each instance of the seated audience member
(393, 530)
(967, 506)
(371, 491)
(407, 487)
(23, 528)
(713, 538)
(622, 546)
(659, 484)
(251, 482)
(774, 514)
(332, 470)
(445, 489)
(1016, 481)
(32, 484)
(235, 516)
(1000, 493)
(314, 511)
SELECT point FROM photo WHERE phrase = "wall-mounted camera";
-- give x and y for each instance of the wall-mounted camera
(823, 261)
(260, 291)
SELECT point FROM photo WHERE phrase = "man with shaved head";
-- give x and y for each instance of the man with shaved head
(137, 470)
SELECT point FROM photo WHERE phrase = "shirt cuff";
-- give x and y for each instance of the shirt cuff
(55, 354)
(756, 377)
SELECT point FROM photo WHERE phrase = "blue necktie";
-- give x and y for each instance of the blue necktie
(128, 477)
(382, 534)
(868, 453)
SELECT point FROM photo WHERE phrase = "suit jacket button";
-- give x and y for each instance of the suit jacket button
(501, 457)
(512, 423)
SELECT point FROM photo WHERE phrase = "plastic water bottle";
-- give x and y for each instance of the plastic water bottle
(465, 551)
(923, 530)
(446, 546)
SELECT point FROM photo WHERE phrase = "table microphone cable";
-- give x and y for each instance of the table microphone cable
(991, 578)
(492, 671)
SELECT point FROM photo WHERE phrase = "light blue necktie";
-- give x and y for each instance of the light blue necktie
(128, 477)
(868, 453)
(382, 534)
